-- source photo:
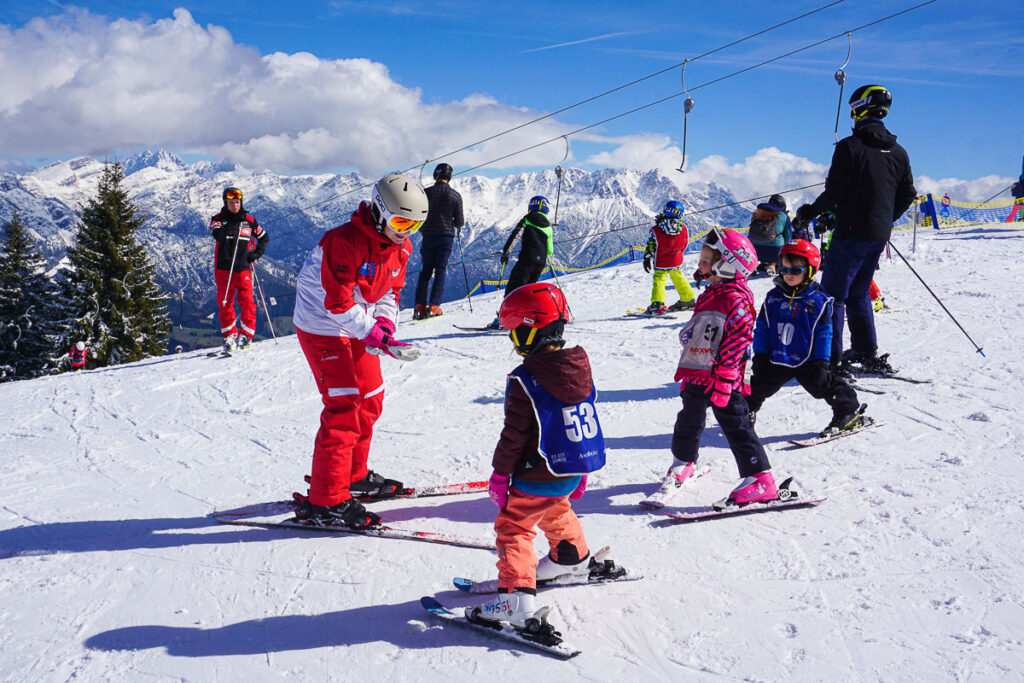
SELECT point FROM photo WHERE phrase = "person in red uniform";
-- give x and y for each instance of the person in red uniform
(346, 309)
(77, 354)
(240, 241)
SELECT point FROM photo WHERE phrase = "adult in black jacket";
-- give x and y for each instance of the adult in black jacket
(240, 241)
(869, 186)
(444, 220)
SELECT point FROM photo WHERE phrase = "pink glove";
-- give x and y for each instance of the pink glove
(498, 488)
(578, 493)
(721, 390)
(386, 323)
(380, 335)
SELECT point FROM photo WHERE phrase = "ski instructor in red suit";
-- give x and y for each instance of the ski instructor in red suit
(346, 309)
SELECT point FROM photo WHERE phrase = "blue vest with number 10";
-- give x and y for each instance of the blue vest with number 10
(571, 441)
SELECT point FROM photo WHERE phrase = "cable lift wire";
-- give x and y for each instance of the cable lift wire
(641, 107)
(582, 102)
(687, 108)
(840, 77)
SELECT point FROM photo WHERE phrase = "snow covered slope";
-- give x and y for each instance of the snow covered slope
(111, 569)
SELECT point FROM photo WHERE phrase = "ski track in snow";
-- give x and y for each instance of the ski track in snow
(112, 569)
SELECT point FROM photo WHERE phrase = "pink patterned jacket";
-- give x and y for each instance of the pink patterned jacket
(718, 335)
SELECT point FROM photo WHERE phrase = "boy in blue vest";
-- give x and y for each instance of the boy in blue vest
(793, 339)
(550, 441)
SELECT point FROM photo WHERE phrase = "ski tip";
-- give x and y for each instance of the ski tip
(464, 585)
(432, 605)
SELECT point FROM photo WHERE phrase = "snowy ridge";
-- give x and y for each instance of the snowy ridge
(179, 198)
(910, 571)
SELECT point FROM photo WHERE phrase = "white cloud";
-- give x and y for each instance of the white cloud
(79, 84)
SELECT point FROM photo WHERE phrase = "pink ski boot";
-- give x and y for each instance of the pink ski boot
(758, 488)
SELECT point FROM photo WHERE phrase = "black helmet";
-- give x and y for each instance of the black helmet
(778, 200)
(443, 172)
(235, 194)
(870, 101)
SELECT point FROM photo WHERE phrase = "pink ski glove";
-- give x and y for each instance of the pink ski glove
(386, 323)
(380, 335)
(721, 390)
(578, 493)
(498, 488)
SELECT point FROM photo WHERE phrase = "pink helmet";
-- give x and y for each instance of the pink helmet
(738, 260)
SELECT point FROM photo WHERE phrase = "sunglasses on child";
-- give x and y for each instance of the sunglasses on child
(404, 225)
(233, 194)
(791, 270)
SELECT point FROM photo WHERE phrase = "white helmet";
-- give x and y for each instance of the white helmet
(399, 206)
(80, 346)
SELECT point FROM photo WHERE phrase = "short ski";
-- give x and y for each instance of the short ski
(605, 571)
(869, 423)
(861, 374)
(219, 354)
(641, 313)
(418, 492)
(669, 490)
(856, 386)
(548, 640)
(480, 329)
(282, 514)
(788, 498)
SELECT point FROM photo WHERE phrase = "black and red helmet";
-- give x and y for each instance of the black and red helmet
(534, 315)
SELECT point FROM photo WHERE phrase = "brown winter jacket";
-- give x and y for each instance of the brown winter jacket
(566, 375)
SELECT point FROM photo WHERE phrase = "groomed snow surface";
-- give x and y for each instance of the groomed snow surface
(112, 569)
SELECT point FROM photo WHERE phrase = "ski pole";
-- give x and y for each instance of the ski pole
(978, 348)
(263, 301)
(465, 273)
(231, 272)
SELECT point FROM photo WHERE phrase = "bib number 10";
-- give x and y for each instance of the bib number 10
(580, 422)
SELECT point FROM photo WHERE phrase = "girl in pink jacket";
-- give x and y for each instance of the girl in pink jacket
(715, 343)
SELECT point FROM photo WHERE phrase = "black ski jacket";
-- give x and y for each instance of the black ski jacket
(238, 234)
(869, 184)
(536, 236)
(444, 212)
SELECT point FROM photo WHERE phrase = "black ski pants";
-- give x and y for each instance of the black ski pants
(524, 273)
(734, 419)
(814, 376)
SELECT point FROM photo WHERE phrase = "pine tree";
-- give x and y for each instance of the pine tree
(28, 307)
(115, 304)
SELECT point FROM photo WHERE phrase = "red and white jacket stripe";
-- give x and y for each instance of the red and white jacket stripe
(353, 276)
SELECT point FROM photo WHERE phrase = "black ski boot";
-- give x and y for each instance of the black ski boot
(842, 423)
(681, 306)
(350, 513)
(375, 487)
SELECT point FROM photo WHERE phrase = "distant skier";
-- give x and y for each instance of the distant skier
(770, 228)
(1017, 190)
(537, 245)
(715, 343)
(869, 185)
(241, 240)
(77, 355)
(444, 221)
(550, 441)
(664, 251)
(346, 308)
(793, 340)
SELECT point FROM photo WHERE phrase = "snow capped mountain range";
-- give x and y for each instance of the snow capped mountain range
(179, 198)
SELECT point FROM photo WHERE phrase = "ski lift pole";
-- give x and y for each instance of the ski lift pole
(687, 108)
(558, 173)
(264, 302)
(465, 273)
(976, 347)
(840, 77)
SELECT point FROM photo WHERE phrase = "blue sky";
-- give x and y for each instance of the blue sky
(372, 86)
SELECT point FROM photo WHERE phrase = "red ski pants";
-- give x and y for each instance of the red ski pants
(228, 285)
(352, 390)
(517, 561)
